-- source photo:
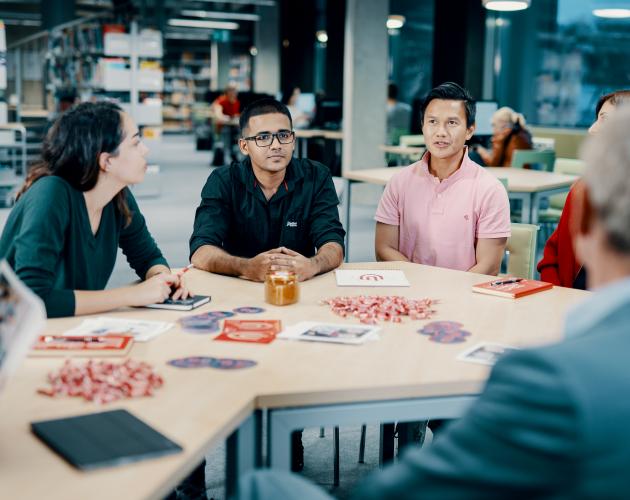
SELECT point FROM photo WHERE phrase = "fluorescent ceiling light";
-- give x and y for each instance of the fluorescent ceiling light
(505, 5)
(395, 22)
(612, 13)
(263, 3)
(206, 14)
(22, 22)
(193, 23)
(188, 36)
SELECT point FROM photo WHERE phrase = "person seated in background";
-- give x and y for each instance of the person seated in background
(551, 421)
(398, 115)
(227, 107)
(299, 117)
(508, 134)
(225, 111)
(445, 210)
(75, 210)
(559, 264)
(271, 211)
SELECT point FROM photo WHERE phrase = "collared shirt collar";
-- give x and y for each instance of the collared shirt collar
(293, 174)
(583, 317)
(466, 168)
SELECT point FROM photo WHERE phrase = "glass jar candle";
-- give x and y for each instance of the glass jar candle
(281, 288)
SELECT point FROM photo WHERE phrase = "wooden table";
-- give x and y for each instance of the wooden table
(404, 152)
(303, 135)
(530, 186)
(402, 376)
(198, 409)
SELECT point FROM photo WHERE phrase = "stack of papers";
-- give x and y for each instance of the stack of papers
(324, 332)
(140, 330)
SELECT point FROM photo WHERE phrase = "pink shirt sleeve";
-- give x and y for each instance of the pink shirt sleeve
(388, 211)
(494, 213)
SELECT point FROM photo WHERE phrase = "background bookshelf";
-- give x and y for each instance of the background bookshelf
(188, 78)
(99, 60)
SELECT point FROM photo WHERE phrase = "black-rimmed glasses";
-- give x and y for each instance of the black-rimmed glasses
(266, 139)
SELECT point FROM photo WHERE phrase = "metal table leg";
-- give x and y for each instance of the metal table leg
(243, 451)
(282, 422)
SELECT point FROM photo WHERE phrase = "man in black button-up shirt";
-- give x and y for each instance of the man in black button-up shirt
(270, 211)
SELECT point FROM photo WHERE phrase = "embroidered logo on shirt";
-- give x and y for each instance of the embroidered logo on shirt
(291, 224)
(466, 217)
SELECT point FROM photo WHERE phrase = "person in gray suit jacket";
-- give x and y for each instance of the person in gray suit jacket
(552, 422)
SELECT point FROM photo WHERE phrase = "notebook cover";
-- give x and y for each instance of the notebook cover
(103, 439)
(82, 345)
(512, 290)
(182, 304)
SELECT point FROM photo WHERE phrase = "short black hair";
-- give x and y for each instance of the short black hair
(452, 92)
(392, 91)
(616, 97)
(263, 106)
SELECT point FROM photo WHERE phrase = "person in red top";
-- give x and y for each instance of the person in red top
(559, 264)
(225, 112)
(228, 102)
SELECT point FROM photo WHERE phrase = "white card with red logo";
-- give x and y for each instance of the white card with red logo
(371, 277)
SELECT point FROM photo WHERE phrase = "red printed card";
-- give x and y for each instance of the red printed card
(261, 331)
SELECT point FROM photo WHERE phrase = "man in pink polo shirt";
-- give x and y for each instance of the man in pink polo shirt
(445, 210)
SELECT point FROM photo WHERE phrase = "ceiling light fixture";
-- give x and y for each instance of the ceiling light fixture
(262, 3)
(322, 36)
(193, 23)
(506, 5)
(395, 22)
(188, 36)
(206, 14)
(612, 13)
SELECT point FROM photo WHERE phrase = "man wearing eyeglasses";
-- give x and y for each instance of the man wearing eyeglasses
(271, 211)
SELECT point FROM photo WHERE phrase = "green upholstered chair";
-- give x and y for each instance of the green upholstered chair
(545, 159)
(522, 250)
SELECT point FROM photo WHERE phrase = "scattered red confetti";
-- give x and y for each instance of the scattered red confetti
(103, 381)
(371, 309)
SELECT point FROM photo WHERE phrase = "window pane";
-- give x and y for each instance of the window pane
(556, 59)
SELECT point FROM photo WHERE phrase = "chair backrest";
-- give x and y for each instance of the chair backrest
(412, 140)
(569, 166)
(522, 250)
(522, 157)
(395, 134)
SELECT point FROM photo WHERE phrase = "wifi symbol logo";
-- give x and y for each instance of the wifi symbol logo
(371, 277)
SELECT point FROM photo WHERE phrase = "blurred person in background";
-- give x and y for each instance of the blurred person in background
(508, 134)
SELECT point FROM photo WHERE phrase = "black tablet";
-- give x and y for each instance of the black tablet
(103, 439)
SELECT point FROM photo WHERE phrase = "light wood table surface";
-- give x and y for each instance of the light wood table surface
(303, 135)
(404, 153)
(198, 408)
(401, 150)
